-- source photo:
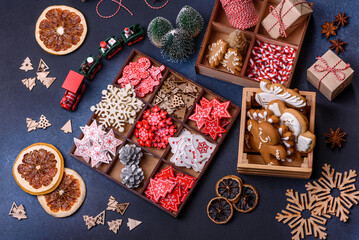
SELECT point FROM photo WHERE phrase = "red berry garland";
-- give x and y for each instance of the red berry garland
(155, 128)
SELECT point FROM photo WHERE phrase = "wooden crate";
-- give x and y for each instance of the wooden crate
(154, 160)
(252, 163)
(219, 28)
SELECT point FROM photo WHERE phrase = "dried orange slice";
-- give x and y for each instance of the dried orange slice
(219, 210)
(229, 187)
(67, 197)
(248, 199)
(60, 29)
(38, 169)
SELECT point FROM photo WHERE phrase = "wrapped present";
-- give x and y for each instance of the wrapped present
(284, 18)
(330, 75)
(241, 14)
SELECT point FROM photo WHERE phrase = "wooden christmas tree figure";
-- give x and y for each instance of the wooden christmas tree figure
(112, 204)
(26, 65)
(18, 211)
(132, 223)
(90, 221)
(42, 74)
(100, 219)
(42, 66)
(115, 225)
(31, 124)
(67, 128)
(30, 83)
(122, 207)
(43, 123)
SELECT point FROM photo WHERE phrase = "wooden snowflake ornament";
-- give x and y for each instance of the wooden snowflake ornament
(293, 216)
(331, 181)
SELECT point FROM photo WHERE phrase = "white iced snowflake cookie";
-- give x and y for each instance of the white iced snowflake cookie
(233, 61)
(272, 91)
(296, 122)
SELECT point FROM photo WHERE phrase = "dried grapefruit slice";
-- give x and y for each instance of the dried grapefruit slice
(219, 210)
(67, 197)
(38, 169)
(60, 29)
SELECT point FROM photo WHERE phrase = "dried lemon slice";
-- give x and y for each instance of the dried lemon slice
(248, 199)
(67, 197)
(229, 187)
(38, 169)
(219, 210)
(60, 29)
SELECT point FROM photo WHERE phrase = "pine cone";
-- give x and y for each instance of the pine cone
(130, 154)
(132, 176)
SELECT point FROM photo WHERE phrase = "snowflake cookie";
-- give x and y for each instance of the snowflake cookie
(117, 107)
(216, 52)
(324, 192)
(233, 61)
(293, 216)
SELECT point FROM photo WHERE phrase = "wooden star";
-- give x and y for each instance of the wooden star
(335, 138)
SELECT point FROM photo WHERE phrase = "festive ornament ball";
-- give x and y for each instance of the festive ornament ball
(190, 20)
(157, 28)
(177, 45)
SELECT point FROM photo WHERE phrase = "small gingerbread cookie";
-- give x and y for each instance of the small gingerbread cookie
(233, 61)
(216, 52)
(272, 91)
(261, 115)
(265, 139)
(296, 122)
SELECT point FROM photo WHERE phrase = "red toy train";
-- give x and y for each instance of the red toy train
(74, 84)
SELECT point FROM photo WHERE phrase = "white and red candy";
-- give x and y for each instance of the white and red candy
(272, 62)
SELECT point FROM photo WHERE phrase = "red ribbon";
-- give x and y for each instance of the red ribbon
(278, 15)
(118, 9)
(338, 72)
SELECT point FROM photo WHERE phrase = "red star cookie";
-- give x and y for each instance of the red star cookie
(199, 115)
(212, 128)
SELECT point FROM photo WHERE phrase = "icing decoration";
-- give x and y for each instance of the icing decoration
(276, 91)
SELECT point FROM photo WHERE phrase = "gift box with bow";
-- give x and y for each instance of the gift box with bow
(330, 75)
(284, 18)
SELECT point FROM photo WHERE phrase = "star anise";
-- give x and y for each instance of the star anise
(341, 19)
(328, 29)
(337, 45)
(335, 138)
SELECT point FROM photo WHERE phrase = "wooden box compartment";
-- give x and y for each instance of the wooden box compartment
(252, 163)
(219, 28)
(153, 159)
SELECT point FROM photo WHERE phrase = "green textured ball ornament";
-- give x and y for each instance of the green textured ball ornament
(190, 20)
(178, 45)
(157, 28)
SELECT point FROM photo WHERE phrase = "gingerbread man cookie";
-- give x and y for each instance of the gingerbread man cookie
(233, 61)
(265, 139)
(216, 52)
(272, 91)
(261, 115)
(296, 122)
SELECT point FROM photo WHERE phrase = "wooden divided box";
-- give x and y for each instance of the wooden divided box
(154, 160)
(250, 162)
(220, 28)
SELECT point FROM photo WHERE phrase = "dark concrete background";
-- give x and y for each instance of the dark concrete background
(17, 24)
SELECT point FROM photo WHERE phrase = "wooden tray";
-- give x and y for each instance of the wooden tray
(220, 28)
(252, 163)
(154, 160)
